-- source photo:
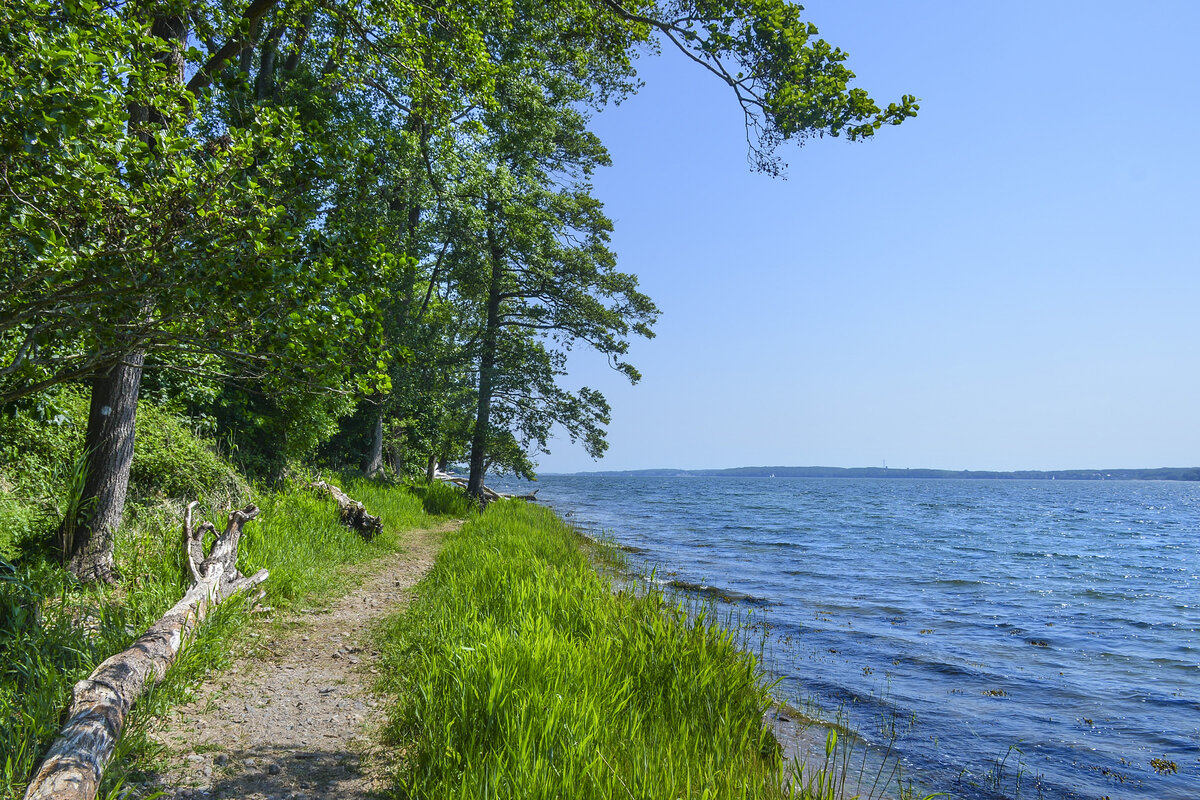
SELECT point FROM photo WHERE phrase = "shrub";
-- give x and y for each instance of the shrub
(170, 460)
(41, 447)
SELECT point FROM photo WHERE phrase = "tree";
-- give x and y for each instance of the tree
(789, 84)
(537, 258)
(274, 192)
(138, 231)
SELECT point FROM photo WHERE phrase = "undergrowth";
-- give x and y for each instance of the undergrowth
(54, 631)
(41, 455)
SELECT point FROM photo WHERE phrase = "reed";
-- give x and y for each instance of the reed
(518, 672)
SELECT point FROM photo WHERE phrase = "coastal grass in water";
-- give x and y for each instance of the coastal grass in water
(518, 672)
(53, 631)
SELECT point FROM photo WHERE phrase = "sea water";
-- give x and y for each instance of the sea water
(998, 638)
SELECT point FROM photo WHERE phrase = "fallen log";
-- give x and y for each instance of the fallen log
(75, 763)
(353, 513)
(488, 494)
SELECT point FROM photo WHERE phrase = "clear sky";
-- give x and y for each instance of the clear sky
(1010, 280)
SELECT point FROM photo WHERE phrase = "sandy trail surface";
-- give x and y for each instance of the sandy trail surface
(296, 718)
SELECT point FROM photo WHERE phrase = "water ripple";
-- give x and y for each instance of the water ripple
(1059, 618)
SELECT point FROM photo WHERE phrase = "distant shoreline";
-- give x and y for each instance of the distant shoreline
(1158, 474)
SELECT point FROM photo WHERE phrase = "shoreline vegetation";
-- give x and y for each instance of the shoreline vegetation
(520, 673)
(254, 245)
(54, 630)
(523, 670)
(308, 238)
(525, 666)
(1156, 474)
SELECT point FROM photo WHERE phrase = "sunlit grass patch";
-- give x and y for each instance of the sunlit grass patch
(53, 631)
(520, 673)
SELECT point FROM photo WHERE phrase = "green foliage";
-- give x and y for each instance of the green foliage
(75, 629)
(299, 213)
(268, 430)
(53, 632)
(519, 673)
(159, 234)
(300, 537)
(41, 456)
(20, 522)
(41, 448)
(441, 499)
(790, 84)
(169, 459)
(343, 198)
(40, 436)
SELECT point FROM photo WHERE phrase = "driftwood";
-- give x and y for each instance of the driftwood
(489, 495)
(353, 513)
(75, 763)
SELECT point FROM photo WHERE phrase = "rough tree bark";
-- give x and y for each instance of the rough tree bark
(487, 367)
(354, 514)
(374, 463)
(87, 537)
(75, 763)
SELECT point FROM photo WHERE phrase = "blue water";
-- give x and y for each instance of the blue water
(1018, 638)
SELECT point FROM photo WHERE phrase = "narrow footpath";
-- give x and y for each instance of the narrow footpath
(296, 719)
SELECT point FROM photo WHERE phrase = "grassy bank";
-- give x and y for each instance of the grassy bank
(518, 672)
(54, 631)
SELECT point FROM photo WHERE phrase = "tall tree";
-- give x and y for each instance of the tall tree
(139, 230)
(196, 183)
(546, 278)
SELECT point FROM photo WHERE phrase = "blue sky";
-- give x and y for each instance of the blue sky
(1008, 281)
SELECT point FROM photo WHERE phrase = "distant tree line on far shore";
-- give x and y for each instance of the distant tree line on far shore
(1159, 474)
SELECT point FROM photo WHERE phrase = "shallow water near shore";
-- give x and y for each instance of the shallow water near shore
(1010, 638)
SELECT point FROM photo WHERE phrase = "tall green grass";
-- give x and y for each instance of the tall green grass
(443, 500)
(53, 631)
(518, 672)
(299, 538)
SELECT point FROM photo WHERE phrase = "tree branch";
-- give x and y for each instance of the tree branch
(204, 76)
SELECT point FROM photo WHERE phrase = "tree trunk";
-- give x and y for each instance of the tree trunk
(431, 469)
(488, 494)
(73, 767)
(87, 537)
(487, 367)
(374, 463)
(264, 83)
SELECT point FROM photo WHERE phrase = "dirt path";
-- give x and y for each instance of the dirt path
(297, 720)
